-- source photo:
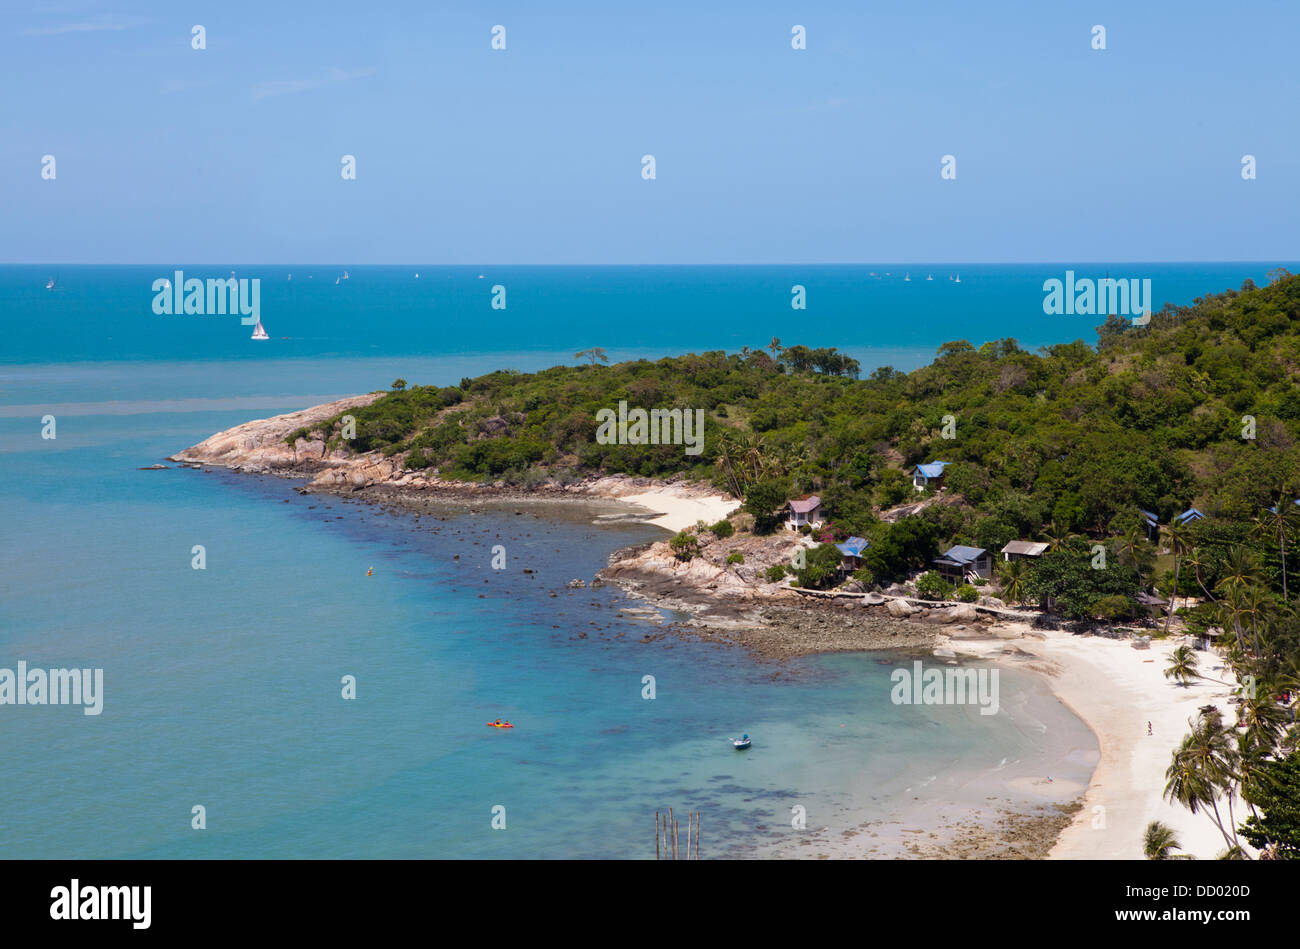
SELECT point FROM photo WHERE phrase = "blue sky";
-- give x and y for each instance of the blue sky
(764, 154)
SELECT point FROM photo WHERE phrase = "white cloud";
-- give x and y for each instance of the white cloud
(281, 87)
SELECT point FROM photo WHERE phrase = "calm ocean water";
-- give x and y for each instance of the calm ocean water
(222, 686)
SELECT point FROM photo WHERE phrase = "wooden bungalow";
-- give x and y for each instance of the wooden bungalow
(851, 553)
(928, 475)
(1023, 550)
(960, 564)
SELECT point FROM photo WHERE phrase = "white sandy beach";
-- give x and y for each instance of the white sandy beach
(678, 510)
(1117, 690)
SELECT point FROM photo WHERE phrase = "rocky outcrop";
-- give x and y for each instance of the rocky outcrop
(260, 445)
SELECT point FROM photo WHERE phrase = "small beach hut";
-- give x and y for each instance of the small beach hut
(851, 553)
(928, 475)
(959, 564)
(1151, 524)
(1023, 550)
(806, 510)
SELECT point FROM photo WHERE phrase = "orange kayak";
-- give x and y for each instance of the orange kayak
(501, 725)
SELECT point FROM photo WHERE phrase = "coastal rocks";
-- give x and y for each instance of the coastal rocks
(872, 599)
(963, 613)
(576, 584)
(260, 445)
(901, 608)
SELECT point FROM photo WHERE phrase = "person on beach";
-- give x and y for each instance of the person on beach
(1148, 728)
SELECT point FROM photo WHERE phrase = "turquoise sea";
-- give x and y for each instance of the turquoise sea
(222, 686)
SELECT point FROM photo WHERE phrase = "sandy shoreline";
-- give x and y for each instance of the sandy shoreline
(1116, 690)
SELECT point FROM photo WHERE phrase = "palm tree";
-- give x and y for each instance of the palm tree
(727, 455)
(775, 346)
(1203, 767)
(1196, 560)
(1055, 537)
(1159, 843)
(1240, 569)
(1014, 576)
(1132, 542)
(1182, 666)
(1178, 544)
(1279, 522)
(594, 354)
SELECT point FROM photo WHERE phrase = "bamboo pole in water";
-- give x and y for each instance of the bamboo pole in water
(672, 836)
(656, 835)
(697, 835)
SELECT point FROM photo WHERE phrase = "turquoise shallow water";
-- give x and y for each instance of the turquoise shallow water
(222, 686)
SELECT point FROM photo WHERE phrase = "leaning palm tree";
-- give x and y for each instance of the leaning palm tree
(1182, 666)
(1159, 843)
(1178, 545)
(1197, 560)
(1204, 767)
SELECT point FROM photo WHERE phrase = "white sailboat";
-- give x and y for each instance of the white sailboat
(50, 285)
(259, 332)
(907, 279)
(958, 278)
(345, 275)
(929, 276)
(417, 276)
(336, 281)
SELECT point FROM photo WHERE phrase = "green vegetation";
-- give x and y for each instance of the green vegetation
(775, 573)
(931, 586)
(1275, 789)
(722, 530)
(735, 557)
(821, 568)
(1159, 843)
(1064, 444)
(685, 546)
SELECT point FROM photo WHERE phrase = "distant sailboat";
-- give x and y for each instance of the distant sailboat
(290, 276)
(958, 278)
(929, 276)
(417, 276)
(258, 331)
(336, 281)
(907, 279)
(345, 275)
(50, 285)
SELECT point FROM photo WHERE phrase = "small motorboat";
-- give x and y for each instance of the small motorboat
(741, 743)
(500, 725)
